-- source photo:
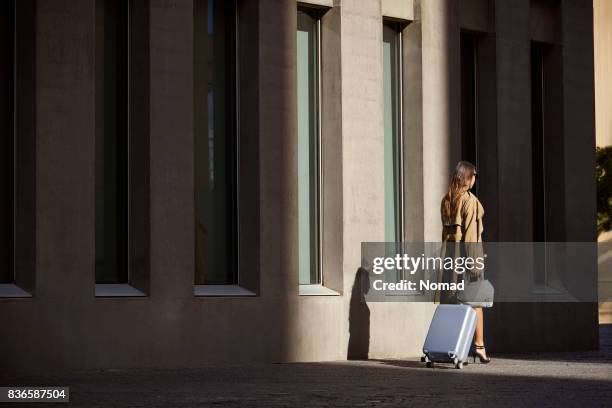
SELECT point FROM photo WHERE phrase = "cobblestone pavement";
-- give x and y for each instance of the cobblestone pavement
(545, 380)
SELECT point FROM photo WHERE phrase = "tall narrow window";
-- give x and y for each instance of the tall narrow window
(122, 148)
(18, 148)
(7, 136)
(537, 142)
(548, 156)
(112, 141)
(216, 151)
(309, 145)
(538, 181)
(469, 98)
(392, 94)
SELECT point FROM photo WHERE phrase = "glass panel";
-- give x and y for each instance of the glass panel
(392, 136)
(537, 140)
(468, 98)
(7, 145)
(216, 142)
(308, 148)
(111, 141)
(538, 181)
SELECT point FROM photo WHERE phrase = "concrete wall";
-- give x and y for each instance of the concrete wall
(602, 16)
(65, 326)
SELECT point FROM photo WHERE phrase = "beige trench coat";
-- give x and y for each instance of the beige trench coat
(466, 227)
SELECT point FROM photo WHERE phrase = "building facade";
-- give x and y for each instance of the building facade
(193, 179)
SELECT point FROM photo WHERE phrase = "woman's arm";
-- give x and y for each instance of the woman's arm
(469, 224)
(473, 246)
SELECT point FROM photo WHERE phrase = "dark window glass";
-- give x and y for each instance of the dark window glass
(537, 140)
(469, 100)
(548, 154)
(538, 181)
(7, 143)
(469, 103)
(216, 143)
(112, 134)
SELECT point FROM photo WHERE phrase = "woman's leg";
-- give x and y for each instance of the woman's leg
(479, 337)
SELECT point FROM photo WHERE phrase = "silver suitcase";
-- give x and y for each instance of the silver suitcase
(450, 335)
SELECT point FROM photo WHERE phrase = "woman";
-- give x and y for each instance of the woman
(462, 222)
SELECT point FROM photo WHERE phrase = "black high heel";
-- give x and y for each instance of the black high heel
(480, 357)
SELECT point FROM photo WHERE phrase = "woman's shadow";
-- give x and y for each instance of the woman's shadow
(359, 318)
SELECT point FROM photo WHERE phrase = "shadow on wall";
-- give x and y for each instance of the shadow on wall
(359, 318)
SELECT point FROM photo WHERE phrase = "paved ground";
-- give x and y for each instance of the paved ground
(570, 379)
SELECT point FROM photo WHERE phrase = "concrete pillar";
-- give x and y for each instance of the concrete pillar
(579, 120)
(362, 145)
(536, 326)
(278, 171)
(441, 109)
(65, 167)
(579, 144)
(171, 135)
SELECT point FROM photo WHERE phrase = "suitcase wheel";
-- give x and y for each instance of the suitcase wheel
(429, 364)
